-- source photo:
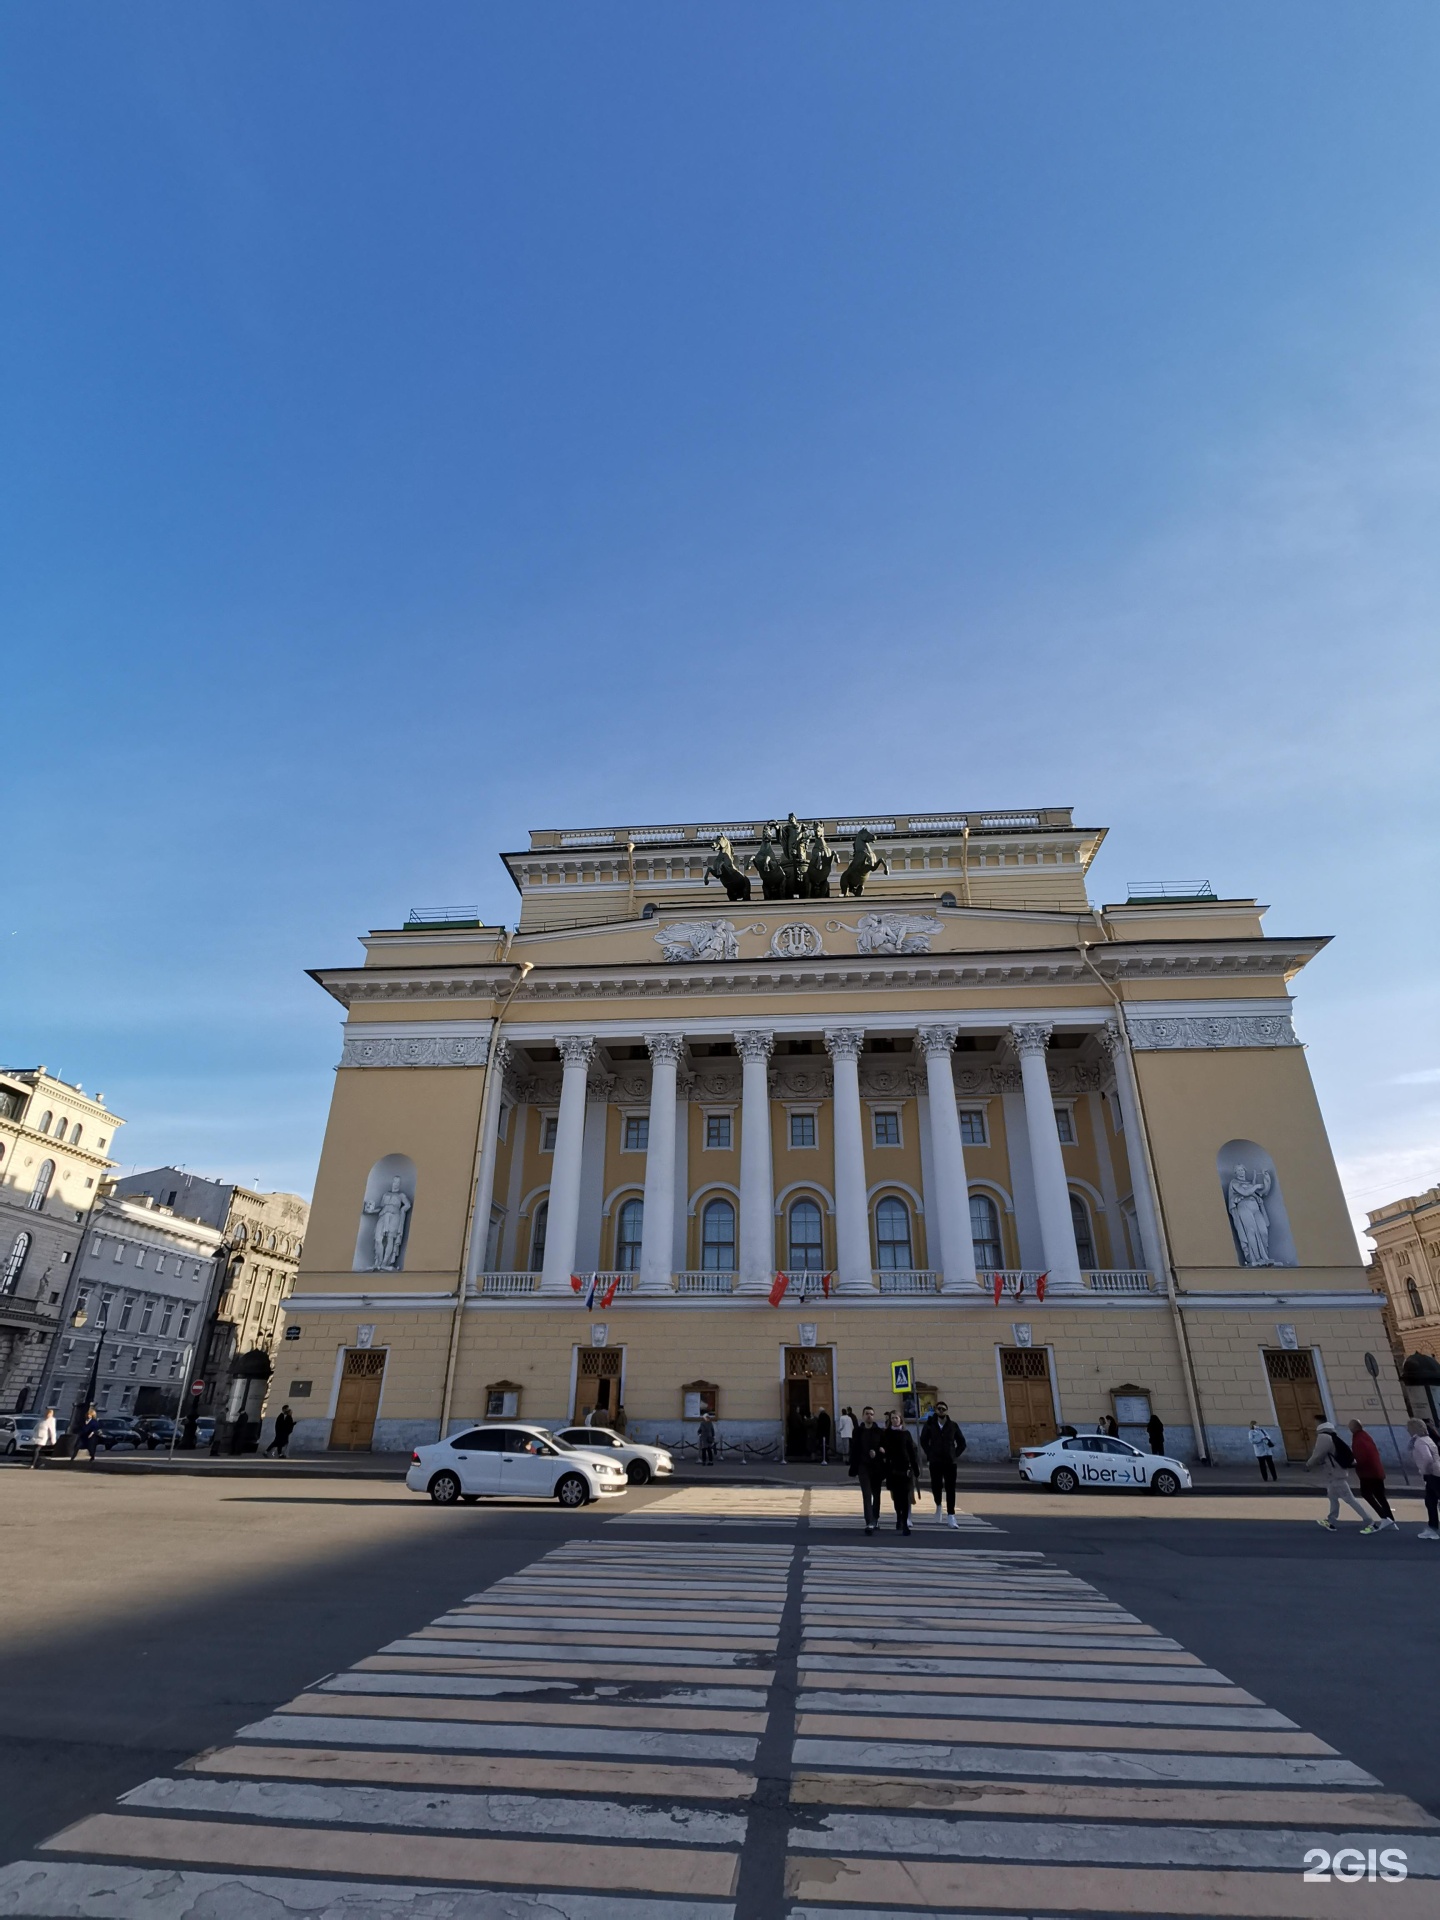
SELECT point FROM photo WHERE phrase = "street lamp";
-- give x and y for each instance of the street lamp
(77, 1320)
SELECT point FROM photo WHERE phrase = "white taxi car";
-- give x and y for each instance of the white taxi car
(516, 1463)
(641, 1462)
(1094, 1460)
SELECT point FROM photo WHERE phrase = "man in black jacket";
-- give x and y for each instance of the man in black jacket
(942, 1444)
(867, 1465)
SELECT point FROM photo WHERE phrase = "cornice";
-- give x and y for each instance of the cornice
(1190, 959)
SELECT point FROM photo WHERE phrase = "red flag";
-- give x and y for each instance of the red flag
(609, 1293)
(999, 1287)
(1040, 1286)
(825, 1280)
(576, 1283)
(777, 1290)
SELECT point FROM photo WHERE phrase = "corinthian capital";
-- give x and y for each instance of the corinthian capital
(937, 1039)
(844, 1043)
(1031, 1037)
(751, 1044)
(1111, 1039)
(665, 1046)
(576, 1049)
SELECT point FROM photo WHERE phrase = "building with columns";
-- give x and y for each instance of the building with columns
(681, 1145)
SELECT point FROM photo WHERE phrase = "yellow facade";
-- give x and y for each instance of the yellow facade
(705, 1102)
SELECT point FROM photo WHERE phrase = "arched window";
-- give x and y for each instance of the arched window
(538, 1228)
(1084, 1238)
(46, 1120)
(1416, 1305)
(15, 1262)
(42, 1185)
(985, 1232)
(75, 1134)
(629, 1232)
(892, 1236)
(717, 1237)
(807, 1240)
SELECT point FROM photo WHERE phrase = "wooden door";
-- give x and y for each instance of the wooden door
(597, 1384)
(1296, 1393)
(358, 1402)
(809, 1386)
(1029, 1403)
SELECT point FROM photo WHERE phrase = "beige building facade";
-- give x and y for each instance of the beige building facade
(1407, 1267)
(669, 1146)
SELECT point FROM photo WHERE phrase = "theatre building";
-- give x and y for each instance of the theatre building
(706, 1132)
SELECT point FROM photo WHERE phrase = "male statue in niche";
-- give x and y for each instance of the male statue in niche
(391, 1209)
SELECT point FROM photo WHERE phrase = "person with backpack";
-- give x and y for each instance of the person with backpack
(1262, 1444)
(942, 1444)
(1371, 1471)
(1333, 1457)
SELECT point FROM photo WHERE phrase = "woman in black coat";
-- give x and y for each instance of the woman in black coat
(902, 1469)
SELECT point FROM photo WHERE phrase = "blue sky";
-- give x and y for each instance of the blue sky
(425, 424)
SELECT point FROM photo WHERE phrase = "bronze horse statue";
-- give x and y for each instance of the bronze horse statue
(721, 866)
(863, 859)
(769, 865)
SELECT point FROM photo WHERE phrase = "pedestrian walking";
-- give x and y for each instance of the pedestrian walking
(1426, 1455)
(867, 1465)
(45, 1435)
(1155, 1431)
(1262, 1444)
(902, 1469)
(284, 1427)
(942, 1444)
(621, 1423)
(1370, 1471)
(90, 1434)
(1334, 1458)
(844, 1428)
(822, 1433)
(705, 1434)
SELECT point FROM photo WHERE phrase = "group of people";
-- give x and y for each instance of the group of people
(887, 1460)
(808, 1436)
(1336, 1458)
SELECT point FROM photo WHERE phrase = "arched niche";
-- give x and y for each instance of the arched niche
(387, 1210)
(1254, 1206)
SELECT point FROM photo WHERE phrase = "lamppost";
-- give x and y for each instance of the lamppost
(77, 1320)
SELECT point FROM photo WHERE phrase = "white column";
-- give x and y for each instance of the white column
(680, 1207)
(598, 1088)
(563, 1221)
(485, 1178)
(757, 1174)
(1151, 1252)
(657, 1242)
(947, 1207)
(1047, 1162)
(852, 1203)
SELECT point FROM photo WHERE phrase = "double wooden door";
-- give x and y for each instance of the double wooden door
(358, 1401)
(1296, 1393)
(1029, 1402)
(597, 1384)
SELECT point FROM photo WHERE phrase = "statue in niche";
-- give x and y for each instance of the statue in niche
(863, 859)
(769, 865)
(1245, 1197)
(818, 864)
(721, 866)
(390, 1209)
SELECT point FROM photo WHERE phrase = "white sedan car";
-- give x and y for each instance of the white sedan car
(512, 1463)
(1095, 1460)
(641, 1462)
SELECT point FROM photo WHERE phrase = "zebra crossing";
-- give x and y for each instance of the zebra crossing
(829, 1508)
(670, 1729)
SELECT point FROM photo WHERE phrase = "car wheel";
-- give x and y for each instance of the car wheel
(572, 1491)
(1165, 1482)
(637, 1473)
(445, 1489)
(1064, 1480)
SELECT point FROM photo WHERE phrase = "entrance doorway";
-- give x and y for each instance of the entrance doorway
(358, 1401)
(1029, 1402)
(809, 1388)
(1296, 1393)
(597, 1384)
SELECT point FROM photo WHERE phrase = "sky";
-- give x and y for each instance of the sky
(428, 424)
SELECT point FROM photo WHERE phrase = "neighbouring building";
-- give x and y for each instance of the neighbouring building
(143, 1279)
(1407, 1266)
(1057, 1160)
(263, 1234)
(54, 1153)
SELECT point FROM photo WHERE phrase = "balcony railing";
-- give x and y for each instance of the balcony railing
(706, 1282)
(904, 1280)
(507, 1283)
(1118, 1280)
(1024, 1284)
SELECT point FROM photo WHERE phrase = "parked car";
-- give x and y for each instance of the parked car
(511, 1462)
(119, 1430)
(157, 1431)
(641, 1462)
(17, 1432)
(1093, 1460)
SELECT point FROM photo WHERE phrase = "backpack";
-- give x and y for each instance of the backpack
(1340, 1452)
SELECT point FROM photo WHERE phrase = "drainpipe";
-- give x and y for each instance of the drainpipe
(493, 1077)
(1182, 1339)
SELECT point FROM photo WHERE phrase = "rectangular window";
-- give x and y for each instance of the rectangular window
(972, 1127)
(1065, 1126)
(147, 1314)
(637, 1132)
(167, 1318)
(131, 1300)
(140, 1256)
(887, 1129)
(717, 1130)
(95, 1246)
(802, 1129)
(119, 1252)
(549, 1128)
(503, 1130)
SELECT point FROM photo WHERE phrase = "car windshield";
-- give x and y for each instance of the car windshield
(563, 1445)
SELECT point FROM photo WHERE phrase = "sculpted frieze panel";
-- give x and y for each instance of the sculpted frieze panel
(1150, 1033)
(441, 1050)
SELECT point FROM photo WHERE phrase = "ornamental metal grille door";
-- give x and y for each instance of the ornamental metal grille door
(1029, 1402)
(358, 1401)
(597, 1383)
(1296, 1393)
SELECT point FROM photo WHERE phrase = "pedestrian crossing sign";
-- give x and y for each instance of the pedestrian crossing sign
(902, 1376)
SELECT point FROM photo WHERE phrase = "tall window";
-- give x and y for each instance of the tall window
(637, 1132)
(717, 1129)
(807, 1243)
(75, 1132)
(892, 1236)
(537, 1236)
(985, 1232)
(1414, 1296)
(628, 1234)
(15, 1262)
(46, 1119)
(1084, 1238)
(717, 1237)
(972, 1126)
(1065, 1126)
(802, 1129)
(887, 1129)
(549, 1132)
(42, 1185)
